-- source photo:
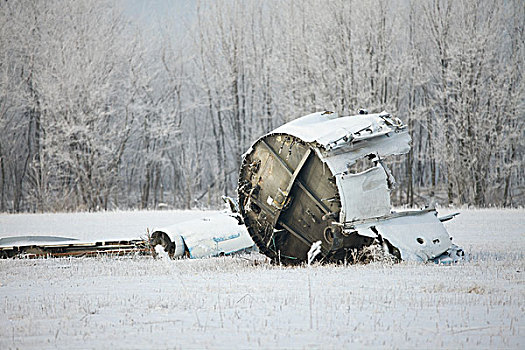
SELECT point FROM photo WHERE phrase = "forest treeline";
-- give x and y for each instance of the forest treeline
(97, 113)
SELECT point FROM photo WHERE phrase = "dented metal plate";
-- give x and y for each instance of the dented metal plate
(415, 235)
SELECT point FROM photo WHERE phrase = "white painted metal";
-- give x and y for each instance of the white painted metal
(418, 235)
(211, 236)
(363, 195)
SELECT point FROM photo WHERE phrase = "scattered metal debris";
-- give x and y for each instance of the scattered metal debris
(215, 235)
(319, 179)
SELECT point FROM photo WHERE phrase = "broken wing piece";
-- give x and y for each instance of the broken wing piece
(215, 235)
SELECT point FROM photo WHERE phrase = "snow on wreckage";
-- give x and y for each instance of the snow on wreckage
(319, 178)
(322, 178)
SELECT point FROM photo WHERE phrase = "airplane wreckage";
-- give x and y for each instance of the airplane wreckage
(317, 180)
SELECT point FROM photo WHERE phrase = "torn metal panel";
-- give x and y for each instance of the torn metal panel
(331, 131)
(385, 145)
(417, 235)
(363, 195)
(301, 184)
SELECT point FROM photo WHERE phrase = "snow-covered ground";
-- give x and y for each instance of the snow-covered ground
(242, 302)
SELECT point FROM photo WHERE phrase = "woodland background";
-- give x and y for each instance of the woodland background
(98, 113)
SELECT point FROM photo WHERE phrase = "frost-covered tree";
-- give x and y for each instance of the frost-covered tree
(99, 112)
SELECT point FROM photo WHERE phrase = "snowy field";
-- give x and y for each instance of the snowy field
(242, 302)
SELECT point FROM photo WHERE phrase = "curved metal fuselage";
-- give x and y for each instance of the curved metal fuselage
(322, 178)
(214, 235)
